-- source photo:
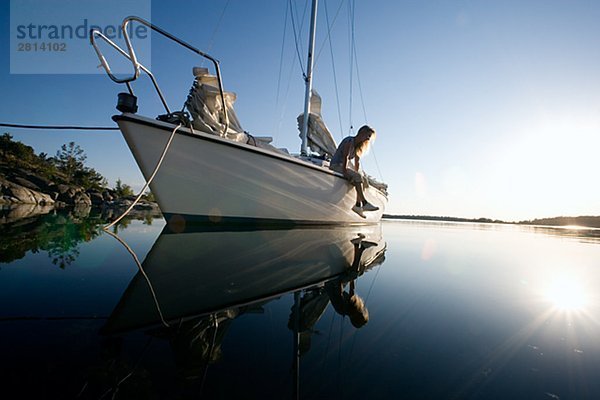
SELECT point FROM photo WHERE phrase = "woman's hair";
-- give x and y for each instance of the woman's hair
(358, 313)
(362, 148)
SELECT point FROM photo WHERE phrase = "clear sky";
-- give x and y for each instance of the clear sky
(482, 108)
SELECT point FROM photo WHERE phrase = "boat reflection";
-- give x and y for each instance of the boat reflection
(193, 273)
(193, 285)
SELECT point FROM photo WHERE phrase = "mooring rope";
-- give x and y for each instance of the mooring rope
(146, 278)
(139, 196)
(60, 127)
(137, 199)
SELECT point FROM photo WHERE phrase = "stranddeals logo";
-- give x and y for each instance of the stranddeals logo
(52, 36)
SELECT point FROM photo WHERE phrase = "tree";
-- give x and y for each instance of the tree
(5, 143)
(66, 167)
(122, 189)
(70, 159)
(149, 196)
(16, 153)
(89, 178)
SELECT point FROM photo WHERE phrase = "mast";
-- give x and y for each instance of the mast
(308, 77)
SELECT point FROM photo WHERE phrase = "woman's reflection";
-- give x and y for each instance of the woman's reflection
(313, 302)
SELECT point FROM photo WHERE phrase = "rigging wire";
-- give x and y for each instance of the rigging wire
(329, 28)
(351, 4)
(210, 350)
(115, 390)
(358, 80)
(340, 364)
(362, 101)
(282, 53)
(377, 164)
(299, 49)
(291, 70)
(61, 127)
(365, 302)
(354, 63)
(337, 95)
(211, 41)
(289, 81)
(326, 353)
(285, 97)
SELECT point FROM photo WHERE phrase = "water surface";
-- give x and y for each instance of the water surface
(400, 310)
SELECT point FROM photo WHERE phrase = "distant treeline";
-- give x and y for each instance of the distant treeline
(586, 221)
(447, 219)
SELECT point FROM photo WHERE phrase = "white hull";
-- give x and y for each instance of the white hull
(206, 178)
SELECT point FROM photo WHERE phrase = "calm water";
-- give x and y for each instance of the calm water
(402, 310)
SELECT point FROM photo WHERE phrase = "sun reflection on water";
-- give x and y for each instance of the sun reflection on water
(566, 294)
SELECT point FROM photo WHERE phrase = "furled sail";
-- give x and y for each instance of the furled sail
(319, 138)
(205, 106)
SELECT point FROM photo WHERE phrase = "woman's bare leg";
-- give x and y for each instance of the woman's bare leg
(360, 196)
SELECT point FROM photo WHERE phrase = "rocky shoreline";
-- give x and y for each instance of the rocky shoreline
(22, 187)
(24, 193)
(107, 212)
(35, 184)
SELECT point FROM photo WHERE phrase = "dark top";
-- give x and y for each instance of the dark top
(338, 158)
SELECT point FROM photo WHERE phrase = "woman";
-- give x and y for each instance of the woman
(354, 147)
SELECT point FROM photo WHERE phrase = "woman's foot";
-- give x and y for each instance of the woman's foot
(359, 211)
(366, 244)
(369, 207)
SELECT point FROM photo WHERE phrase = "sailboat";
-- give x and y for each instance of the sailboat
(204, 168)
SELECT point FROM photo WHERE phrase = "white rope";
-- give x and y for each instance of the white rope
(139, 196)
(146, 278)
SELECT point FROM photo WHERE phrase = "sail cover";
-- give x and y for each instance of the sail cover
(319, 138)
(205, 106)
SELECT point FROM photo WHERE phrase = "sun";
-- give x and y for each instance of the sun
(566, 294)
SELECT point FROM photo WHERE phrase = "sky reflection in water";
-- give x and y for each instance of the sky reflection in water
(454, 311)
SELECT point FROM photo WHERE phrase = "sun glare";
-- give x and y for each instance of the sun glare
(574, 227)
(566, 294)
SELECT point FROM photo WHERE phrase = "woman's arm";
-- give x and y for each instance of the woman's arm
(346, 153)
